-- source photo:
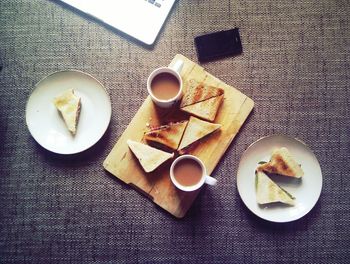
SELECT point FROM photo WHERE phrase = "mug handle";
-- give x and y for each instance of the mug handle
(178, 66)
(210, 180)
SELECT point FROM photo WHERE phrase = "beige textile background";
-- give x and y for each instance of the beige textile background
(59, 209)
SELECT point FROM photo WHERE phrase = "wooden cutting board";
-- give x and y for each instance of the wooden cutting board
(157, 185)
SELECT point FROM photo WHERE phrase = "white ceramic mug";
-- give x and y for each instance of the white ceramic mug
(175, 71)
(204, 179)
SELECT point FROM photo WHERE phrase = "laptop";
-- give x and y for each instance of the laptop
(140, 19)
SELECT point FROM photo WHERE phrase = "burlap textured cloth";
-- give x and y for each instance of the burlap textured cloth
(67, 209)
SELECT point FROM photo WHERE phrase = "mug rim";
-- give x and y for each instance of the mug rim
(190, 188)
(157, 71)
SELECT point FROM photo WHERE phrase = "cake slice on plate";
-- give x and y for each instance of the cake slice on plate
(68, 104)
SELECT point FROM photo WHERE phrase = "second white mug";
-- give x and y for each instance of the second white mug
(193, 181)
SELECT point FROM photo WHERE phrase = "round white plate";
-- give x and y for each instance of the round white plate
(47, 126)
(306, 190)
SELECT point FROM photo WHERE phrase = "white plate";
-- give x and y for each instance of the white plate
(306, 191)
(47, 126)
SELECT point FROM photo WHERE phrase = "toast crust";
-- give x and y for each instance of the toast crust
(205, 109)
(169, 135)
(198, 92)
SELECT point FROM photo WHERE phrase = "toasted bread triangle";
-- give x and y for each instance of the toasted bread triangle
(282, 163)
(206, 109)
(197, 92)
(267, 191)
(169, 135)
(69, 106)
(195, 130)
(150, 158)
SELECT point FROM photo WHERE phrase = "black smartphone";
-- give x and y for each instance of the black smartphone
(218, 45)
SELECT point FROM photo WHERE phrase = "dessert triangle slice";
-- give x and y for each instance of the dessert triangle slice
(150, 158)
(267, 191)
(205, 109)
(69, 106)
(282, 163)
(169, 135)
(198, 92)
(195, 130)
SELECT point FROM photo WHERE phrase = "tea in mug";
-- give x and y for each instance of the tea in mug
(188, 172)
(165, 86)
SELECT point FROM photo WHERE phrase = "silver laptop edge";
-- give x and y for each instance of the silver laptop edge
(140, 19)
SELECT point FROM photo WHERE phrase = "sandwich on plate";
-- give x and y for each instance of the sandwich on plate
(282, 163)
(267, 191)
(150, 158)
(196, 129)
(68, 104)
(169, 135)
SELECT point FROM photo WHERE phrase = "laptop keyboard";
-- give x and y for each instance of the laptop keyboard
(157, 3)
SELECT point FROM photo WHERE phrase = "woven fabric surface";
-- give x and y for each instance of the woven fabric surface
(66, 209)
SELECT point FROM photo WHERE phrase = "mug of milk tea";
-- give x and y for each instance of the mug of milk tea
(188, 173)
(164, 85)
